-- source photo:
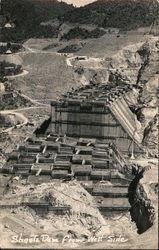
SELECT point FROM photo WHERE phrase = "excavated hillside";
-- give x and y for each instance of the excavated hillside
(140, 64)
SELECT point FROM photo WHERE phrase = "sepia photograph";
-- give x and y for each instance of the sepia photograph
(79, 98)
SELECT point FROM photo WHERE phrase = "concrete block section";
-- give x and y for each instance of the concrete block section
(59, 174)
(112, 204)
(33, 148)
(28, 154)
(68, 145)
(52, 146)
(62, 165)
(54, 138)
(86, 141)
(22, 166)
(23, 172)
(100, 175)
(100, 145)
(36, 203)
(102, 164)
(64, 157)
(42, 168)
(67, 151)
(37, 141)
(84, 150)
(78, 159)
(59, 210)
(99, 154)
(117, 177)
(81, 169)
(110, 191)
(27, 159)
(32, 179)
(45, 159)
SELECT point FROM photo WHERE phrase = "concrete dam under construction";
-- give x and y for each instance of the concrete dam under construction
(79, 124)
(98, 111)
(89, 130)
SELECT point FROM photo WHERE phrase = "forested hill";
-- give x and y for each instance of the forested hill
(124, 14)
(29, 13)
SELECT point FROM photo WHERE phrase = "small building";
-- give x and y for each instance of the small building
(8, 52)
(113, 30)
(8, 25)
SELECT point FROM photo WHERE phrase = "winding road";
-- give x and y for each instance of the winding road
(25, 72)
(18, 115)
(16, 112)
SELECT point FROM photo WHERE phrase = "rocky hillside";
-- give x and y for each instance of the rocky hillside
(126, 15)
